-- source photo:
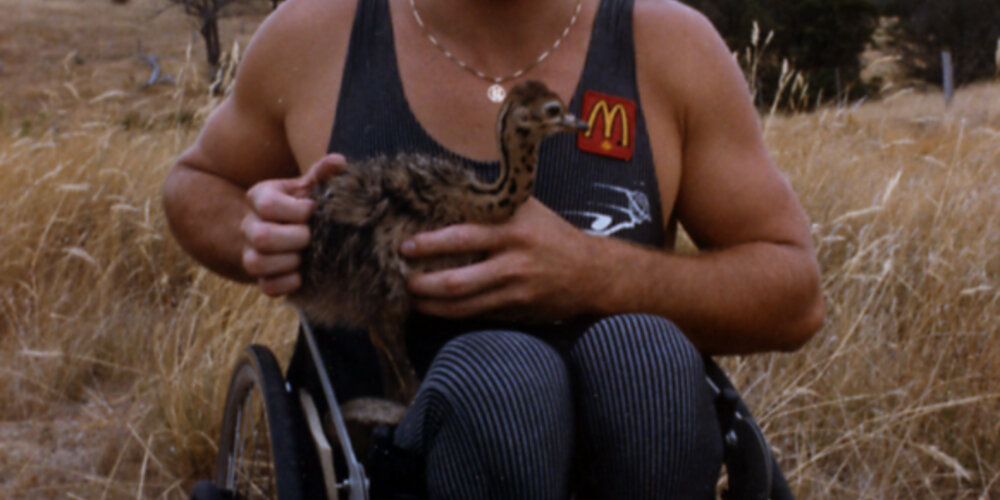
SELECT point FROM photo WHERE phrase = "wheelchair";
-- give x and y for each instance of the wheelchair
(284, 442)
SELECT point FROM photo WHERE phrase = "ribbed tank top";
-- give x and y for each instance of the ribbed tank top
(598, 193)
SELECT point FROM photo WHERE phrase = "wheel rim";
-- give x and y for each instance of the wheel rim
(250, 469)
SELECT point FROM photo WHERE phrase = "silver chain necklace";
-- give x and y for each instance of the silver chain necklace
(495, 92)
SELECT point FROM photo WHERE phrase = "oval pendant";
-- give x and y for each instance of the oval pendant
(496, 93)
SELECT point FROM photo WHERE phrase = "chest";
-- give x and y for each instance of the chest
(451, 106)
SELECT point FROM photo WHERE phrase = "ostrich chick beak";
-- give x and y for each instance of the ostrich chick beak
(571, 122)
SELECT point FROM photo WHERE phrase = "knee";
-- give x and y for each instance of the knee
(500, 363)
(638, 345)
(494, 406)
(495, 380)
(644, 403)
(638, 372)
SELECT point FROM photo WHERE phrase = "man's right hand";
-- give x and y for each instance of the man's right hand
(276, 229)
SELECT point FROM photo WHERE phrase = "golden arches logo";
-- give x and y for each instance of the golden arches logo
(613, 110)
(609, 115)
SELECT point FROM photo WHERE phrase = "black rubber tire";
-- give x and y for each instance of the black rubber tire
(269, 465)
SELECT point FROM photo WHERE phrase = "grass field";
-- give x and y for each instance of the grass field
(115, 348)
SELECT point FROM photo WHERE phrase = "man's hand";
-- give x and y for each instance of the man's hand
(276, 229)
(538, 268)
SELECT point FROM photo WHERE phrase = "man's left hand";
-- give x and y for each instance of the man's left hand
(538, 268)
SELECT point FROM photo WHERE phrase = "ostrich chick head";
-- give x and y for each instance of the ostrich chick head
(530, 113)
(533, 112)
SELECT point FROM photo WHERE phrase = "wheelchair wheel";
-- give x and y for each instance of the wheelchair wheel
(258, 450)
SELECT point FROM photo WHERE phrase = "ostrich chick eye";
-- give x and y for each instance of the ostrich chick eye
(552, 109)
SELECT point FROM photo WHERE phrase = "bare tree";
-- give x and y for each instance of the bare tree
(209, 12)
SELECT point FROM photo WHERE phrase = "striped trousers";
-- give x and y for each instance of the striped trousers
(624, 412)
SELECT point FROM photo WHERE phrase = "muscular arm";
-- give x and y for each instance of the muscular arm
(750, 297)
(235, 200)
(205, 192)
(755, 284)
(753, 287)
(753, 296)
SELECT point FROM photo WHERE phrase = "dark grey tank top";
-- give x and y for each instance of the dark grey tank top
(603, 182)
(598, 192)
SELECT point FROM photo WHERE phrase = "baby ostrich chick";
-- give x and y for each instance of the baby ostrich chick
(352, 271)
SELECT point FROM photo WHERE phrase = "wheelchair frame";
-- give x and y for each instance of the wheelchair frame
(257, 375)
(356, 484)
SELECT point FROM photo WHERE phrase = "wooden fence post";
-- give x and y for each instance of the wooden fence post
(949, 77)
(997, 57)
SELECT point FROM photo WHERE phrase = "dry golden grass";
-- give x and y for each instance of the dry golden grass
(896, 397)
(115, 348)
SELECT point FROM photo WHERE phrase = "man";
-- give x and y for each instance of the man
(615, 406)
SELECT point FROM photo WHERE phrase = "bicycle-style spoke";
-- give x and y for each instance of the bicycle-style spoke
(253, 467)
(247, 450)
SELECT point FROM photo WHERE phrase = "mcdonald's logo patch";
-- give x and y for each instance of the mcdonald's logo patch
(612, 125)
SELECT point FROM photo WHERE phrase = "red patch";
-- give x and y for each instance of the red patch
(612, 125)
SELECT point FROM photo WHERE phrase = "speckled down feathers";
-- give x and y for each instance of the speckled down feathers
(352, 271)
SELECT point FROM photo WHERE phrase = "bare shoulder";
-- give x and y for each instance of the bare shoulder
(292, 44)
(667, 28)
(299, 25)
(246, 139)
(671, 13)
(681, 51)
